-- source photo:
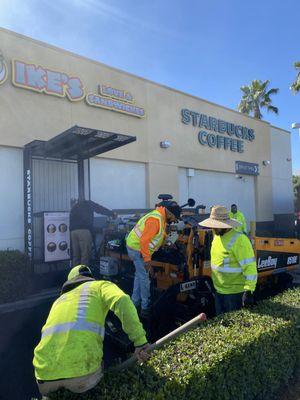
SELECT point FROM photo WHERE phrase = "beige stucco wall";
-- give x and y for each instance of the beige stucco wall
(26, 116)
(281, 164)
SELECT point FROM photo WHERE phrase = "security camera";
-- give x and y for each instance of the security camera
(165, 144)
(266, 162)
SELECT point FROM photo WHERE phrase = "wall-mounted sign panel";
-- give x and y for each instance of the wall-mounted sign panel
(56, 236)
(42, 79)
(246, 168)
(217, 133)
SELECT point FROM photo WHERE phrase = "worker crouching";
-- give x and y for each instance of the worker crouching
(69, 354)
(233, 264)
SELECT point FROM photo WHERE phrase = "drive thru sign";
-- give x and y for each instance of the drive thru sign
(246, 168)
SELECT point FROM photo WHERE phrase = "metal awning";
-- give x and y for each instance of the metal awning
(78, 143)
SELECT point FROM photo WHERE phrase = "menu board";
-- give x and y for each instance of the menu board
(56, 236)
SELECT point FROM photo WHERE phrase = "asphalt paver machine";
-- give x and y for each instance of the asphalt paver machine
(181, 286)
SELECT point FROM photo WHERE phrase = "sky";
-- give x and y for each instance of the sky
(205, 48)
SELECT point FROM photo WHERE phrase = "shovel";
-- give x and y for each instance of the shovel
(160, 342)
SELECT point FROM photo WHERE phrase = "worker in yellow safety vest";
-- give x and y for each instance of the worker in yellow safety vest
(233, 264)
(69, 354)
(143, 240)
(239, 216)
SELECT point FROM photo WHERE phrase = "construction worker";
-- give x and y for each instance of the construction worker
(144, 239)
(81, 228)
(233, 264)
(239, 216)
(70, 351)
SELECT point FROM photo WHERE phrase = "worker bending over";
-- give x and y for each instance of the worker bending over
(233, 264)
(239, 216)
(143, 240)
(69, 354)
(81, 229)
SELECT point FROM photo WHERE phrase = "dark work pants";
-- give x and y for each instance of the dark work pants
(228, 302)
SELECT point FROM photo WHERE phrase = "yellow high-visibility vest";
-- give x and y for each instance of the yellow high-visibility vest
(134, 238)
(239, 216)
(233, 263)
(72, 338)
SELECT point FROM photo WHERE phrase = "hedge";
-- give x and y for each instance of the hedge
(14, 275)
(245, 355)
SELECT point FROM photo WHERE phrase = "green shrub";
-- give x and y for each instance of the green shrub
(244, 355)
(14, 275)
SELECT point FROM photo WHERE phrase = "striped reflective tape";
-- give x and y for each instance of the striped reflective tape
(232, 240)
(230, 270)
(137, 231)
(247, 261)
(80, 324)
(226, 262)
(250, 277)
(153, 243)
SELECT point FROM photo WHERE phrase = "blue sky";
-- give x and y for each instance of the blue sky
(205, 48)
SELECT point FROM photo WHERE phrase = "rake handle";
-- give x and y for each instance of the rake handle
(165, 339)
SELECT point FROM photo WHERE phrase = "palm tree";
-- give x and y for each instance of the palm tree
(295, 87)
(296, 186)
(256, 96)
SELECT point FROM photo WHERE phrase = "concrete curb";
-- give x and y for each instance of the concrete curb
(30, 302)
(50, 294)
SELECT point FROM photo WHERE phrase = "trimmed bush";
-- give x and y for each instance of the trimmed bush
(14, 275)
(245, 355)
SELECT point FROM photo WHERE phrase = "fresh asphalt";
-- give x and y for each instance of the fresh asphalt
(19, 334)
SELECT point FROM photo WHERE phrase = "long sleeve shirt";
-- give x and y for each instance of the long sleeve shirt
(82, 214)
(71, 343)
(150, 231)
(239, 216)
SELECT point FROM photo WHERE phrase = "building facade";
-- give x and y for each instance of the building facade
(184, 145)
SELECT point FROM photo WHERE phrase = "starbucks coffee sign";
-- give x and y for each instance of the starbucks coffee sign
(217, 133)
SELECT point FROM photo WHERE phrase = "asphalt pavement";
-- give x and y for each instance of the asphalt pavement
(19, 334)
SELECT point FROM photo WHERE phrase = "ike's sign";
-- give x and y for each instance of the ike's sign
(61, 84)
(44, 80)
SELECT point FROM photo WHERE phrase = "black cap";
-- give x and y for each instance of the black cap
(171, 206)
(175, 210)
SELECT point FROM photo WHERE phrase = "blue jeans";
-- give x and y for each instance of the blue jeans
(227, 302)
(141, 286)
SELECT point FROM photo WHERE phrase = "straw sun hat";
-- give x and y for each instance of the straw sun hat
(219, 218)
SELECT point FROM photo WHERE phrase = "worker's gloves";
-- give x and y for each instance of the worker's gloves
(247, 299)
(142, 352)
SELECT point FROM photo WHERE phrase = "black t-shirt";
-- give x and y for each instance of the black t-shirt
(82, 214)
